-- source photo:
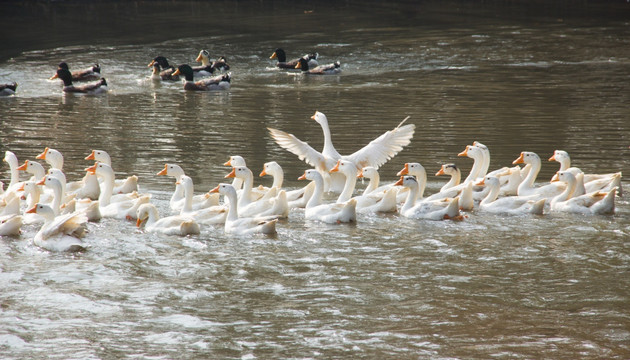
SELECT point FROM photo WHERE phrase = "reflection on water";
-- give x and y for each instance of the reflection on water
(490, 286)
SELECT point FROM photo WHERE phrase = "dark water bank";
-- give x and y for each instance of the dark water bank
(49, 24)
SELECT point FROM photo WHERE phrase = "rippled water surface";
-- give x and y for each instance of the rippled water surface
(551, 286)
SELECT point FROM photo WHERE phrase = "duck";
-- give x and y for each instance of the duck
(127, 204)
(148, 215)
(243, 225)
(178, 199)
(11, 225)
(513, 205)
(273, 203)
(89, 74)
(429, 210)
(167, 72)
(334, 213)
(207, 68)
(365, 203)
(94, 88)
(329, 69)
(594, 203)
(284, 64)
(221, 82)
(274, 169)
(592, 182)
(60, 233)
(527, 185)
(376, 153)
(212, 215)
(121, 186)
(8, 89)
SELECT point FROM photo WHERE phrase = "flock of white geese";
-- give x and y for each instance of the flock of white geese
(63, 208)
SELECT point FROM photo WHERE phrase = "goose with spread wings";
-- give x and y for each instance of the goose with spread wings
(375, 154)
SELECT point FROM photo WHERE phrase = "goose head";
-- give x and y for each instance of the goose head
(172, 170)
(345, 167)
(413, 169)
(527, 157)
(51, 156)
(270, 168)
(368, 172)
(320, 118)
(448, 169)
(235, 160)
(241, 172)
(100, 156)
(11, 159)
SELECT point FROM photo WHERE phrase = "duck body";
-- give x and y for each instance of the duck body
(8, 89)
(221, 82)
(282, 63)
(207, 68)
(170, 225)
(375, 154)
(329, 69)
(88, 74)
(60, 233)
(91, 88)
(167, 72)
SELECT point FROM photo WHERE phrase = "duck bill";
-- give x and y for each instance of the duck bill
(54, 77)
(151, 63)
(215, 190)
(163, 171)
(42, 156)
(91, 156)
(273, 56)
(299, 65)
(404, 171)
(313, 117)
(176, 72)
(199, 58)
(232, 174)
(519, 160)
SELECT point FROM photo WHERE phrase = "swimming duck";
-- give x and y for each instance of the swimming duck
(330, 69)
(334, 213)
(59, 233)
(207, 68)
(221, 82)
(243, 225)
(284, 64)
(170, 225)
(91, 88)
(167, 69)
(8, 89)
(376, 153)
(513, 205)
(595, 203)
(89, 74)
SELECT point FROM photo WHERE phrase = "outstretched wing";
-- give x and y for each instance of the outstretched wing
(298, 147)
(383, 148)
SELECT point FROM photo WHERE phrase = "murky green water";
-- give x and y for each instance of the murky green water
(553, 286)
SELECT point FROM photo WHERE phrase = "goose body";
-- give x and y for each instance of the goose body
(10, 225)
(170, 225)
(514, 205)
(59, 233)
(375, 154)
(221, 82)
(328, 213)
(594, 203)
(527, 185)
(207, 215)
(243, 225)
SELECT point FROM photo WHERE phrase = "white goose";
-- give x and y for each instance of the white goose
(60, 233)
(594, 203)
(592, 182)
(376, 153)
(513, 205)
(207, 216)
(273, 203)
(10, 225)
(177, 201)
(428, 210)
(170, 225)
(125, 208)
(275, 170)
(31, 192)
(121, 186)
(455, 176)
(12, 161)
(86, 187)
(328, 213)
(242, 225)
(365, 203)
(527, 187)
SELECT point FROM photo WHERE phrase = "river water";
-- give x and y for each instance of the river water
(514, 78)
